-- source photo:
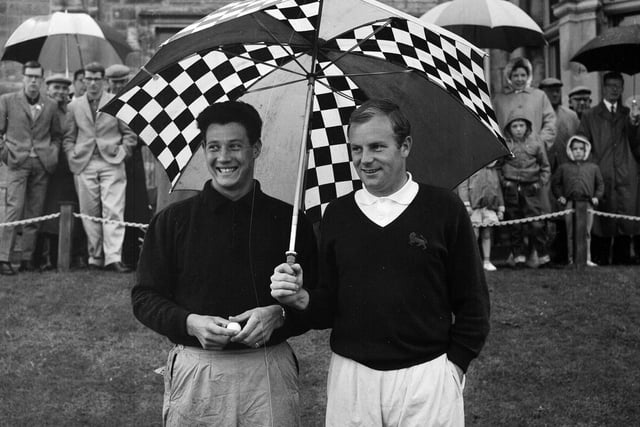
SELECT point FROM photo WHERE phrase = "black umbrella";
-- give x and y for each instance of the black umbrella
(616, 49)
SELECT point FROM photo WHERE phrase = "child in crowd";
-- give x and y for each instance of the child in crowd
(576, 180)
(482, 196)
(523, 177)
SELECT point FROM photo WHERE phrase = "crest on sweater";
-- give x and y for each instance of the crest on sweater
(417, 240)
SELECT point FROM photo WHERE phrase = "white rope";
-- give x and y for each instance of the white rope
(111, 221)
(30, 220)
(612, 215)
(530, 219)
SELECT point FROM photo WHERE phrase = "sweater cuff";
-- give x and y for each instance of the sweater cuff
(460, 356)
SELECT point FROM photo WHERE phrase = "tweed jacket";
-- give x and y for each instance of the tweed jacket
(19, 131)
(114, 139)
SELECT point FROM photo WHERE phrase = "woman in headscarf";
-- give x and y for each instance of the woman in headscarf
(533, 102)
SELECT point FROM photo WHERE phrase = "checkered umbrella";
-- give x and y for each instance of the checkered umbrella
(306, 65)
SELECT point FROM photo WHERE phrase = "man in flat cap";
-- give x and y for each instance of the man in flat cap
(30, 135)
(96, 145)
(580, 99)
(61, 189)
(117, 77)
(567, 123)
(136, 207)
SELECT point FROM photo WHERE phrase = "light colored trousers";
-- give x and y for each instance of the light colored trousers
(251, 388)
(568, 220)
(101, 190)
(426, 395)
(26, 191)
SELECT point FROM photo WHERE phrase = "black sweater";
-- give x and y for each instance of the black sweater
(390, 293)
(209, 255)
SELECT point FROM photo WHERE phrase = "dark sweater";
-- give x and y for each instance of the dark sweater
(390, 292)
(198, 257)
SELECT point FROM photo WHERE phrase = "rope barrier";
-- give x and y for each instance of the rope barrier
(531, 218)
(612, 215)
(77, 215)
(111, 221)
(493, 224)
(30, 220)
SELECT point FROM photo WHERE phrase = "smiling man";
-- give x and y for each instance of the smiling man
(206, 262)
(399, 262)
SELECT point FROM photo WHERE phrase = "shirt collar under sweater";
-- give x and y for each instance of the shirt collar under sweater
(215, 201)
(383, 210)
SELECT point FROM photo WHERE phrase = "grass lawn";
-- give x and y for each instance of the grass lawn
(563, 351)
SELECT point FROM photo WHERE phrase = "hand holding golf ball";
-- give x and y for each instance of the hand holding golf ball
(234, 326)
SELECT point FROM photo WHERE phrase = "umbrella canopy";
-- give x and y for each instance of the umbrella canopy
(616, 49)
(306, 65)
(65, 41)
(489, 24)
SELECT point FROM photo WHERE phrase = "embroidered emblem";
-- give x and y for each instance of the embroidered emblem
(418, 240)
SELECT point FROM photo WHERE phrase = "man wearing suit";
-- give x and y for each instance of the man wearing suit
(96, 145)
(30, 135)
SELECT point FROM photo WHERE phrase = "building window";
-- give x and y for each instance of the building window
(553, 59)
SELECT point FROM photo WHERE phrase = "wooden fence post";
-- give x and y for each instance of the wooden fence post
(64, 236)
(580, 234)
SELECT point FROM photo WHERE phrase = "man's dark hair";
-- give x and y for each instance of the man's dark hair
(373, 107)
(612, 75)
(577, 141)
(94, 67)
(222, 113)
(32, 64)
(77, 73)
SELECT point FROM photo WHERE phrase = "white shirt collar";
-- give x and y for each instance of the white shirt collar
(609, 104)
(404, 196)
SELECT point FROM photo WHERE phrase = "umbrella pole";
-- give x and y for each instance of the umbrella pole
(302, 168)
(66, 55)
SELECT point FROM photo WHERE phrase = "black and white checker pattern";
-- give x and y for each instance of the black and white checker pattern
(163, 110)
(301, 15)
(330, 173)
(450, 64)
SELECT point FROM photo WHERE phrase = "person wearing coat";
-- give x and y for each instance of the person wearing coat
(96, 145)
(61, 189)
(615, 141)
(136, 208)
(532, 103)
(520, 96)
(30, 135)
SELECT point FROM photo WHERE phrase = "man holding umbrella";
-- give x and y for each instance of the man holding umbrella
(398, 262)
(614, 133)
(205, 263)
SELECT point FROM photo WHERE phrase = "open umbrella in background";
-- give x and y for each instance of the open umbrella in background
(489, 24)
(65, 42)
(615, 49)
(306, 65)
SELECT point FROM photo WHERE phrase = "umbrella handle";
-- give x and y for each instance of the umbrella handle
(291, 257)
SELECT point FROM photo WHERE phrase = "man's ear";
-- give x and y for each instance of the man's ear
(257, 148)
(405, 147)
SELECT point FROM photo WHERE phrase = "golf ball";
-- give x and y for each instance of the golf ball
(234, 326)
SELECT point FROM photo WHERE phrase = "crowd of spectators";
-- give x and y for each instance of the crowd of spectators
(560, 155)
(59, 148)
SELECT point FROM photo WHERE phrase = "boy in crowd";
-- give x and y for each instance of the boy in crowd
(523, 177)
(482, 196)
(578, 180)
